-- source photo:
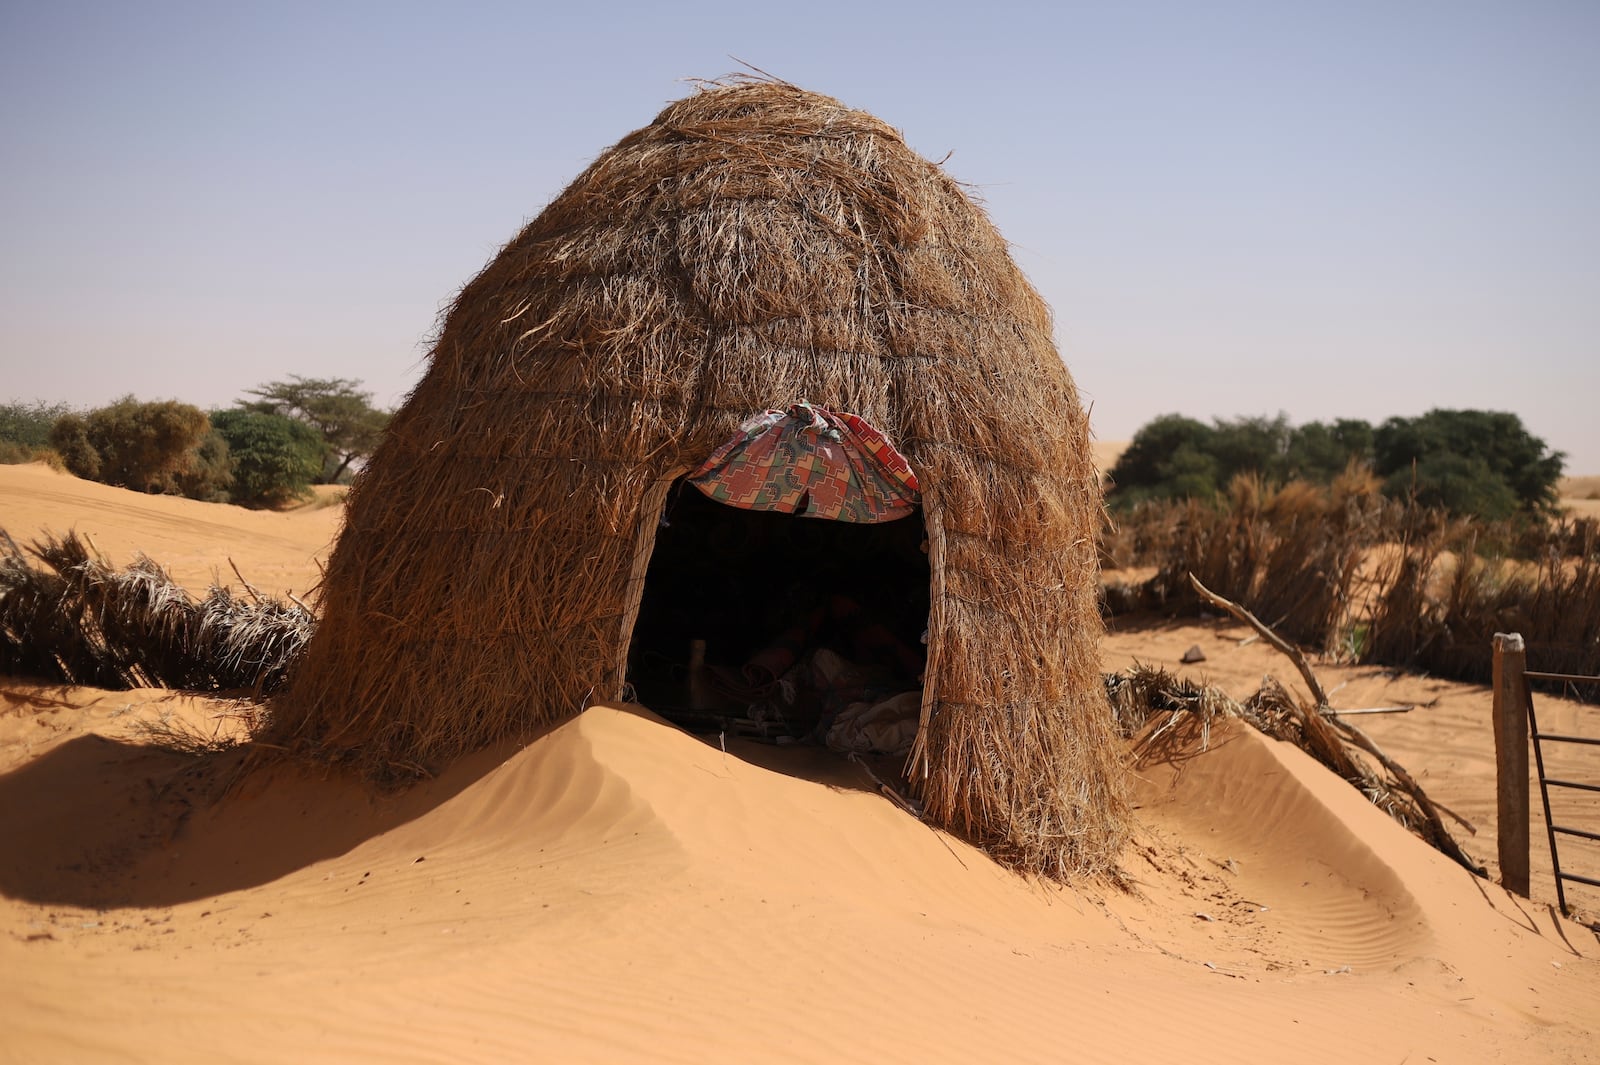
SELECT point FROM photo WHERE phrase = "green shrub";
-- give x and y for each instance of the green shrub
(274, 458)
(28, 424)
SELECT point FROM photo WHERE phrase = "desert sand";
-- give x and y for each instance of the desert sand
(1580, 496)
(617, 890)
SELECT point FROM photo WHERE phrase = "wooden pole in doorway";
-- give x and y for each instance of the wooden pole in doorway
(1511, 760)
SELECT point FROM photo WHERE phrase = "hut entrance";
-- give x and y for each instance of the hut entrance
(780, 626)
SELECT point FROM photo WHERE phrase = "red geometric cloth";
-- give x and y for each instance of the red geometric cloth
(813, 462)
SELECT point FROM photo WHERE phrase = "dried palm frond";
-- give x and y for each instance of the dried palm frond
(79, 620)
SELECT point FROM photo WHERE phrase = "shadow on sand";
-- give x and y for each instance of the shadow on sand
(101, 823)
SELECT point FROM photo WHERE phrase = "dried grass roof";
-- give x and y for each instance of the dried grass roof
(755, 245)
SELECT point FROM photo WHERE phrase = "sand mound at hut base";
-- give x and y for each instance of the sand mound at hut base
(619, 891)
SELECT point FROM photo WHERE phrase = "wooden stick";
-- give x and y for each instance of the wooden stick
(247, 586)
(1568, 678)
(1375, 710)
(884, 787)
(1267, 634)
(1429, 807)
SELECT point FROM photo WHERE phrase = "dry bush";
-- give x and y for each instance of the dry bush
(1362, 577)
(1439, 603)
(1290, 553)
(1140, 535)
(15, 454)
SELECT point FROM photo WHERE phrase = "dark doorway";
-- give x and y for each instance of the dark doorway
(749, 582)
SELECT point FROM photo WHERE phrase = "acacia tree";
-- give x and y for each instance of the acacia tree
(335, 407)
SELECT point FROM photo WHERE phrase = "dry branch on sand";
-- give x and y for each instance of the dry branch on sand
(1151, 704)
(754, 246)
(1326, 737)
(78, 620)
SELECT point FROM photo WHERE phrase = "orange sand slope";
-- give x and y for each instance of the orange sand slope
(194, 541)
(616, 890)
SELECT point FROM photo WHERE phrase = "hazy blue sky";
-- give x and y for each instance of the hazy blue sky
(1340, 209)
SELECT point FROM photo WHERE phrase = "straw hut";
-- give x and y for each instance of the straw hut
(754, 246)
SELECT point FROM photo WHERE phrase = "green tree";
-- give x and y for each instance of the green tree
(1472, 462)
(1258, 445)
(1461, 484)
(1320, 452)
(1168, 458)
(334, 406)
(274, 458)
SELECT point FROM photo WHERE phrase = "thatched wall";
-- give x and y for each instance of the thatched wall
(755, 245)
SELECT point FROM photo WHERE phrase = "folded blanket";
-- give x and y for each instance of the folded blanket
(885, 727)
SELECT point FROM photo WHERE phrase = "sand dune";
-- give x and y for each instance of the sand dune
(617, 890)
(194, 541)
(1446, 742)
(1581, 496)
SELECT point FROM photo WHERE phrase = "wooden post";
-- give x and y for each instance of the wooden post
(1511, 760)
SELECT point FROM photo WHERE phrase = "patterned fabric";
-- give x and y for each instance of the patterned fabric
(810, 461)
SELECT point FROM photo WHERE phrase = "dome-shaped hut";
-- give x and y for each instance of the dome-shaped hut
(754, 246)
